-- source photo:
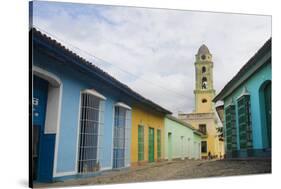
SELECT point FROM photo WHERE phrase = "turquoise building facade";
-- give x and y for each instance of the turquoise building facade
(247, 108)
(182, 141)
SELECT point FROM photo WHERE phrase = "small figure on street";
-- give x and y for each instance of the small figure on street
(209, 155)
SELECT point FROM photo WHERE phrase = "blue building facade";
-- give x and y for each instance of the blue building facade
(247, 108)
(81, 115)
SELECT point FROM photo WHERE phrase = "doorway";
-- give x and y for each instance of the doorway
(170, 150)
(265, 109)
(151, 145)
(182, 148)
(267, 100)
(39, 102)
(45, 115)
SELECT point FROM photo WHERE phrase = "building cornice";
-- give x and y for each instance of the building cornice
(204, 91)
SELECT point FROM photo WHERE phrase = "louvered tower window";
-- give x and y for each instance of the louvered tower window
(91, 131)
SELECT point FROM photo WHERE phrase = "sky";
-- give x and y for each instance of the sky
(153, 50)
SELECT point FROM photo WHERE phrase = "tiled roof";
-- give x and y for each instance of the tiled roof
(249, 65)
(91, 68)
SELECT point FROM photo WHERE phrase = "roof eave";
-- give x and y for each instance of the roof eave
(58, 48)
(229, 87)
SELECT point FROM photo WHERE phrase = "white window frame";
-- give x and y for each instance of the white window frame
(101, 107)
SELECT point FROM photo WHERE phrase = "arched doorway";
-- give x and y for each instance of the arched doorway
(265, 105)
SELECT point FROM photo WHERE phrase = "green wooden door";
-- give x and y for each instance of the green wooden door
(151, 145)
(140, 143)
(267, 96)
(158, 144)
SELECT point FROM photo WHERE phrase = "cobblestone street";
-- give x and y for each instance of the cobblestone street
(179, 169)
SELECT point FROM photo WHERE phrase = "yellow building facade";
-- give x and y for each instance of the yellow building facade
(204, 117)
(147, 142)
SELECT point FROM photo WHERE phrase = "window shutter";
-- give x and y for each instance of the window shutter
(230, 124)
(244, 118)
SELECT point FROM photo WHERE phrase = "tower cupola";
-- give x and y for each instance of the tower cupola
(203, 54)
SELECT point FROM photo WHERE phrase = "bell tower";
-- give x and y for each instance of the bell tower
(204, 92)
(204, 117)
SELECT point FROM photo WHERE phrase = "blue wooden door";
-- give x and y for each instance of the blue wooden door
(42, 144)
(39, 100)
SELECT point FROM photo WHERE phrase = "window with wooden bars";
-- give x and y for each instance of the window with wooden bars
(230, 124)
(140, 143)
(91, 131)
(159, 144)
(244, 120)
(122, 125)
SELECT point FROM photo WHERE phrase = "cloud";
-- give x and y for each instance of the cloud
(156, 46)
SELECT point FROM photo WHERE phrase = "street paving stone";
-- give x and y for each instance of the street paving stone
(172, 170)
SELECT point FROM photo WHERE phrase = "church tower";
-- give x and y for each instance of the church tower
(204, 118)
(204, 91)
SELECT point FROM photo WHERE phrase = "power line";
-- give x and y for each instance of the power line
(106, 62)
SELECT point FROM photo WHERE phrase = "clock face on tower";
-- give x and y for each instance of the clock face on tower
(203, 57)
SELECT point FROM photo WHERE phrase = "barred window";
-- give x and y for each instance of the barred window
(122, 125)
(244, 118)
(91, 131)
(230, 124)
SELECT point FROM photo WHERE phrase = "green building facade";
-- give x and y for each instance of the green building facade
(182, 141)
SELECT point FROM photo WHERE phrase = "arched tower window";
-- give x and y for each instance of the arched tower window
(203, 69)
(204, 83)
